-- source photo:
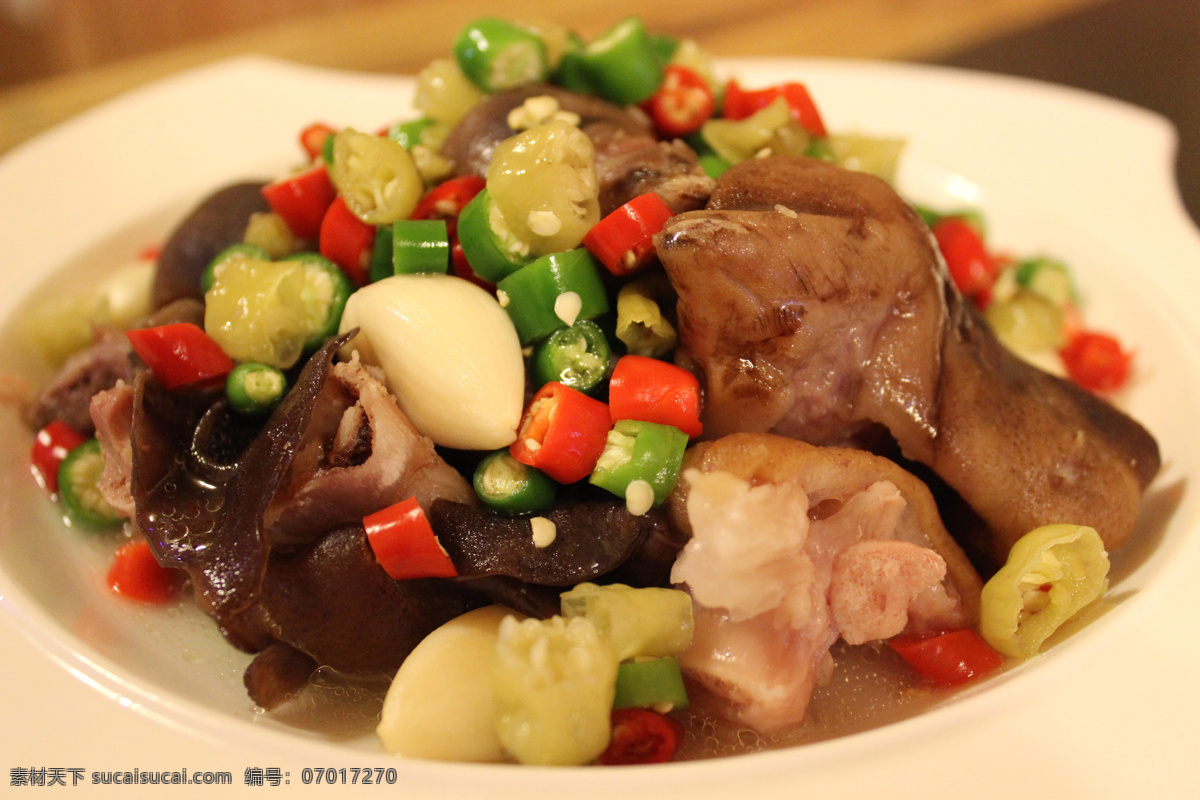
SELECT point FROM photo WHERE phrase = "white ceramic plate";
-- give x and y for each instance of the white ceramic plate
(91, 684)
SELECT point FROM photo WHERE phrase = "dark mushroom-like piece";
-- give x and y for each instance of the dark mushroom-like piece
(589, 539)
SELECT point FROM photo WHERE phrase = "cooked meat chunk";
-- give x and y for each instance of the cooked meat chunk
(794, 546)
(362, 455)
(875, 584)
(592, 538)
(112, 413)
(101, 365)
(332, 601)
(68, 395)
(264, 576)
(277, 674)
(813, 303)
(631, 165)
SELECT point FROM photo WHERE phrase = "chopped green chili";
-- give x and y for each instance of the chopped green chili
(508, 486)
(650, 683)
(408, 134)
(492, 253)
(578, 356)
(420, 245)
(650, 622)
(381, 255)
(572, 71)
(531, 295)
(820, 148)
(323, 292)
(553, 683)
(257, 310)
(241, 250)
(640, 324)
(79, 489)
(326, 290)
(375, 176)
(1049, 278)
(640, 451)
(254, 389)
(623, 64)
(495, 55)
(664, 46)
(712, 164)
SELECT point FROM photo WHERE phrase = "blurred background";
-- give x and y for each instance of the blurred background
(59, 57)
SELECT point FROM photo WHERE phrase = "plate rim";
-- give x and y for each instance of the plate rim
(11, 596)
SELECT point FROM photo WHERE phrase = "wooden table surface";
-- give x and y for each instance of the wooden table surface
(404, 35)
(1144, 51)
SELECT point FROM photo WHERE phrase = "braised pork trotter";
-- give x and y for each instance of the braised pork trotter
(813, 304)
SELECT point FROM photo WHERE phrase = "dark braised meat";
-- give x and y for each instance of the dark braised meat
(108, 360)
(332, 601)
(812, 303)
(277, 674)
(629, 166)
(473, 140)
(68, 395)
(207, 501)
(361, 454)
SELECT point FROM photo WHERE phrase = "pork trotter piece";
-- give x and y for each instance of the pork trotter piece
(813, 304)
(794, 546)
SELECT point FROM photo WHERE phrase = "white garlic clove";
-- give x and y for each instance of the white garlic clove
(440, 706)
(449, 354)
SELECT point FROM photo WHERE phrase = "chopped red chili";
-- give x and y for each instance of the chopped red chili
(404, 543)
(181, 355)
(562, 433)
(642, 736)
(651, 390)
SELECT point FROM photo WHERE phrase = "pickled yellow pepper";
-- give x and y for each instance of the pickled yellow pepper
(1052, 573)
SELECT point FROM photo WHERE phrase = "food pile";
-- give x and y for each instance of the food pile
(592, 394)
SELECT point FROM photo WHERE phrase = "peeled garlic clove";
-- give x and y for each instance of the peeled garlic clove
(449, 354)
(440, 706)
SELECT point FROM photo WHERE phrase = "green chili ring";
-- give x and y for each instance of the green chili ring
(326, 290)
(1052, 573)
(254, 389)
(491, 255)
(381, 255)
(79, 489)
(420, 246)
(408, 133)
(572, 70)
(650, 683)
(578, 356)
(640, 451)
(623, 63)
(531, 293)
(496, 55)
(510, 487)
